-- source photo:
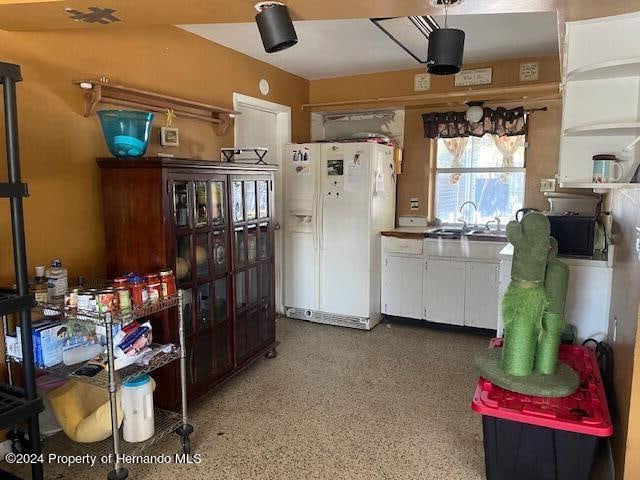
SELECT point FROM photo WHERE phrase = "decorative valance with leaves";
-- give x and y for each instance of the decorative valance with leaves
(500, 121)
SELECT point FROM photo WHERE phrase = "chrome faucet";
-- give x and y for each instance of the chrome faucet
(475, 206)
(496, 220)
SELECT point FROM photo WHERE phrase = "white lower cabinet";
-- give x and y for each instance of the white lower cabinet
(481, 296)
(438, 284)
(402, 286)
(443, 297)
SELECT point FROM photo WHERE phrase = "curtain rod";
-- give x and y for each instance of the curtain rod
(531, 110)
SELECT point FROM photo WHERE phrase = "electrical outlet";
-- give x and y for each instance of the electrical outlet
(547, 184)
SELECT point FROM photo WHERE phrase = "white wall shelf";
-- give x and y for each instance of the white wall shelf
(621, 128)
(624, 67)
(601, 99)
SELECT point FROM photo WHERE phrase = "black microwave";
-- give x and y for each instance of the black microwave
(575, 233)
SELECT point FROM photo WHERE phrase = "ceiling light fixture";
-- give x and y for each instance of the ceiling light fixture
(409, 33)
(475, 112)
(446, 48)
(275, 26)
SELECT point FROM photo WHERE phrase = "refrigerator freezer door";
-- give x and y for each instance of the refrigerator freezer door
(301, 166)
(346, 183)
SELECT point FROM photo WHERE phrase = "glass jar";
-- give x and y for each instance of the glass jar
(167, 282)
(139, 294)
(154, 289)
(39, 291)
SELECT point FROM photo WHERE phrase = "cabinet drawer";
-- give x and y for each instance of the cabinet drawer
(403, 245)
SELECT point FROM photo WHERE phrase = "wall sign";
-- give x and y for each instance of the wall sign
(421, 82)
(529, 71)
(479, 76)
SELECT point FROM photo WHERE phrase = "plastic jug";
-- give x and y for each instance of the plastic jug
(137, 404)
(57, 282)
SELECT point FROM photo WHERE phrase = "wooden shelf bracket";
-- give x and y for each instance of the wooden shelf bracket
(102, 91)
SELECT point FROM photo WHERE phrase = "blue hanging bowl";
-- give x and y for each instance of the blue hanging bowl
(126, 131)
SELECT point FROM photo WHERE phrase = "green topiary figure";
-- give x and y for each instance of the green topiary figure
(555, 285)
(524, 301)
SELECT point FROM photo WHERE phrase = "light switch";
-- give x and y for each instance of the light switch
(547, 184)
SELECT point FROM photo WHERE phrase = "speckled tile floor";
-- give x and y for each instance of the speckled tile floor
(336, 404)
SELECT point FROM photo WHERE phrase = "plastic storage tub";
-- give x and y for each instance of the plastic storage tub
(539, 438)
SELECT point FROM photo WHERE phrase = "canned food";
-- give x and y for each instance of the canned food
(87, 300)
(124, 298)
(106, 300)
(167, 282)
(120, 282)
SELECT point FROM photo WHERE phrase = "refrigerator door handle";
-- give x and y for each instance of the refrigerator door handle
(320, 215)
(314, 212)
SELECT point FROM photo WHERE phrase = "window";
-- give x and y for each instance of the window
(488, 171)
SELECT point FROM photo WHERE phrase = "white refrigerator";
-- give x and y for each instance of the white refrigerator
(338, 198)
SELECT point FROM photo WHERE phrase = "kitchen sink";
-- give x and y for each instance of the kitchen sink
(446, 232)
(454, 233)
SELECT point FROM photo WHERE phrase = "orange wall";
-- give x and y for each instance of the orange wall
(544, 127)
(59, 146)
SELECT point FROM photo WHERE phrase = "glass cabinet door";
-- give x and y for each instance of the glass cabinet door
(252, 263)
(200, 204)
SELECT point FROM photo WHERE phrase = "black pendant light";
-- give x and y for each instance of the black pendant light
(446, 49)
(275, 26)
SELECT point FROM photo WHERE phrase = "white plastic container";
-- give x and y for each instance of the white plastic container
(137, 404)
(57, 282)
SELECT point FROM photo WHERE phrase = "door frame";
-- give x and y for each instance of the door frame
(283, 136)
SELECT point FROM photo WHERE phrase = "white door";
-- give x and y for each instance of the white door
(482, 295)
(345, 273)
(267, 125)
(402, 286)
(444, 291)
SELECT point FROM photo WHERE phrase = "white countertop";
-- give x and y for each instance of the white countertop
(507, 254)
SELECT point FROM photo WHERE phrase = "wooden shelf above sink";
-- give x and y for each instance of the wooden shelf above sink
(103, 91)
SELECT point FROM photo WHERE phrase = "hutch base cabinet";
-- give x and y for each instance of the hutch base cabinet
(211, 223)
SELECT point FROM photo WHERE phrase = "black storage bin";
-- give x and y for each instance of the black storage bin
(517, 451)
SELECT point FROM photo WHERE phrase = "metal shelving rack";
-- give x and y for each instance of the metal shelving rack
(166, 422)
(18, 404)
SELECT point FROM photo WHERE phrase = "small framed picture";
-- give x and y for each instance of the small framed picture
(169, 137)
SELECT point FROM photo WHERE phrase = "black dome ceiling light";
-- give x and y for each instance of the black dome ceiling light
(275, 26)
(446, 48)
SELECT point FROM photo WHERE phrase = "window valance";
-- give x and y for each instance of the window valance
(499, 121)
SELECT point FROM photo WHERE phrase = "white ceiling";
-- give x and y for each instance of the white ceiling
(335, 48)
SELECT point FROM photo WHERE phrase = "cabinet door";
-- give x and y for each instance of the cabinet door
(402, 286)
(202, 271)
(482, 295)
(252, 243)
(444, 291)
